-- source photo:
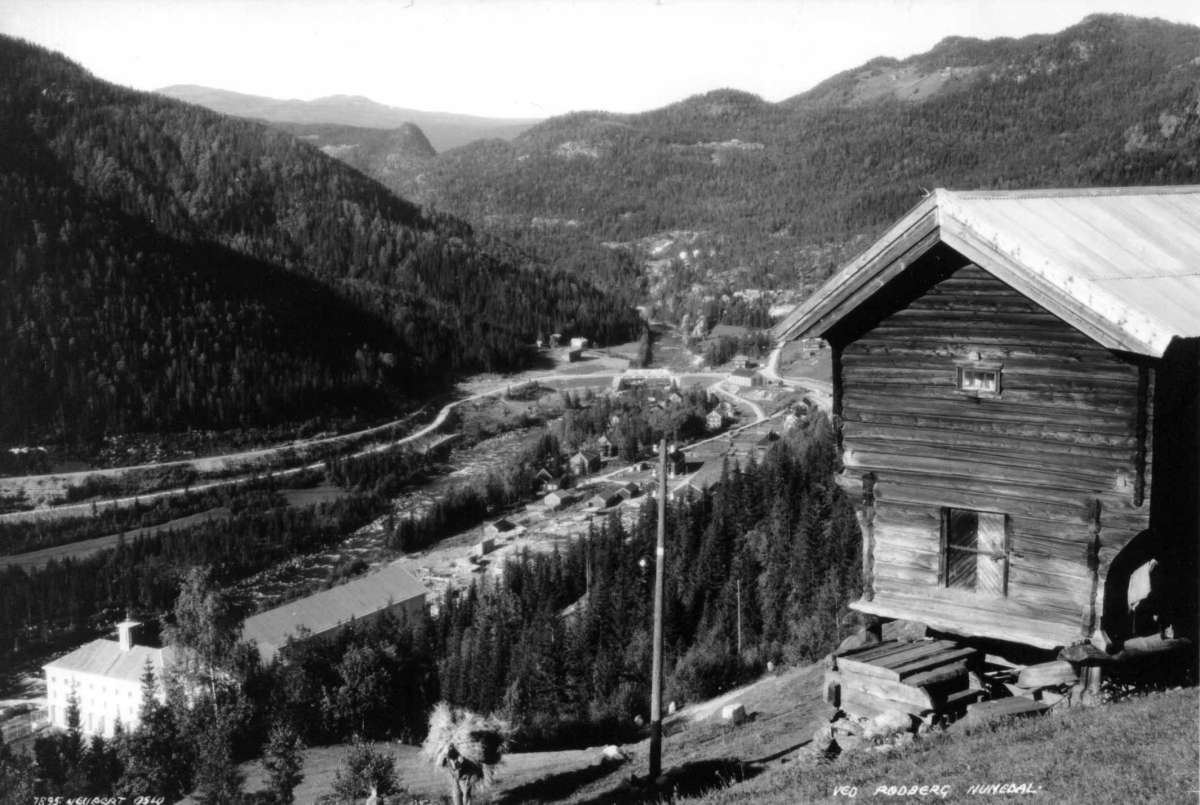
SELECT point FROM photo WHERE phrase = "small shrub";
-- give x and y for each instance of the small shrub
(363, 768)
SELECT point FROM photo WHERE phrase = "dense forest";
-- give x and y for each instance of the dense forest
(164, 267)
(779, 534)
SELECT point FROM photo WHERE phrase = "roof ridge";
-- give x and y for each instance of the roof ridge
(1074, 192)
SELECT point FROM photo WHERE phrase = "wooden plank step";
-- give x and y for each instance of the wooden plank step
(938, 675)
(891, 691)
(877, 650)
(919, 650)
(1047, 675)
(858, 702)
(856, 668)
(908, 662)
(959, 700)
(982, 712)
(934, 661)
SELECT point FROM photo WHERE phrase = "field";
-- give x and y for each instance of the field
(785, 710)
(796, 362)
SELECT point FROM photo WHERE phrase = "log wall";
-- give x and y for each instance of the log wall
(1068, 428)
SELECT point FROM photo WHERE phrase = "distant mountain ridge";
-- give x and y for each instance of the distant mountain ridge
(445, 130)
(775, 195)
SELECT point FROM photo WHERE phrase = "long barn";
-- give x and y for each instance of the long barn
(1015, 378)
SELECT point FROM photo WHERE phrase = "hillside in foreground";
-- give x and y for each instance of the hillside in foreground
(1144, 749)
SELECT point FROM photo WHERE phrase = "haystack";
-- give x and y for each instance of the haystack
(467, 744)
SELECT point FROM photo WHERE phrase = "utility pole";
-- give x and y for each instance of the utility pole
(656, 673)
(739, 616)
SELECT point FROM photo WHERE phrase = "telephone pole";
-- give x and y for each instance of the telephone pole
(739, 616)
(656, 673)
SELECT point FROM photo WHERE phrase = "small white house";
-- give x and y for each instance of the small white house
(560, 499)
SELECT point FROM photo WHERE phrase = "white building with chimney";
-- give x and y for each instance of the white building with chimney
(106, 676)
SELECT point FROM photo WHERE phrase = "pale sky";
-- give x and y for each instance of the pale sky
(521, 58)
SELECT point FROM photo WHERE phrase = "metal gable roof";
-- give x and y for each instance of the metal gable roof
(105, 658)
(1122, 265)
(324, 610)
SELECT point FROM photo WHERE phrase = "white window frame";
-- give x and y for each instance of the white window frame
(969, 374)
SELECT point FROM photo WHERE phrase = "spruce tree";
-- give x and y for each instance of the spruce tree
(283, 763)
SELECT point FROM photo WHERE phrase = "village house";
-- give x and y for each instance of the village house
(605, 446)
(714, 421)
(745, 378)
(743, 361)
(605, 497)
(677, 462)
(584, 462)
(629, 489)
(764, 444)
(392, 590)
(560, 499)
(548, 480)
(501, 528)
(1016, 376)
(708, 476)
(105, 676)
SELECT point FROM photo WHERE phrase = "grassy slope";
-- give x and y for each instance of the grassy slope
(1145, 749)
(1142, 750)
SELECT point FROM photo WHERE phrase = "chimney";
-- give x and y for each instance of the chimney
(125, 633)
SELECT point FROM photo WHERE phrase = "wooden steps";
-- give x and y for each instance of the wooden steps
(982, 713)
(923, 679)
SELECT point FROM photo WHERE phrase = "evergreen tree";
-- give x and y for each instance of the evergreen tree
(283, 763)
(218, 779)
(17, 777)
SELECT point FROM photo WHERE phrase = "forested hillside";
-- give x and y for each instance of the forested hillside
(780, 193)
(164, 267)
(383, 154)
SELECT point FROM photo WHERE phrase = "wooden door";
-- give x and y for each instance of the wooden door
(976, 551)
(992, 557)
